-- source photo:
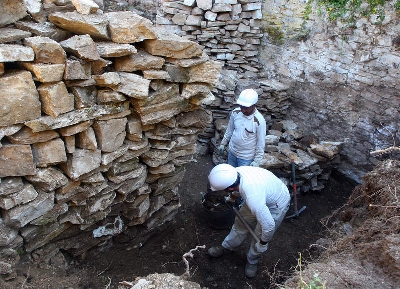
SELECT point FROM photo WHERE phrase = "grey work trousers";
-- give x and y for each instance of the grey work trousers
(239, 231)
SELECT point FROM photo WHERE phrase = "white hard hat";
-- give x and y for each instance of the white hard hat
(222, 176)
(247, 97)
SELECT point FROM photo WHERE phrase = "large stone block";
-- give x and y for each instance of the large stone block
(11, 11)
(55, 98)
(81, 162)
(128, 27)
(16, 160)
(49, 153)
(110, 134)
(46, 50)
(19, 98)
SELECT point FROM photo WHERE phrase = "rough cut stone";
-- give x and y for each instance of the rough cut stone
(77, 69)
(189, 61)
(55, 98)
(7, 234)
(87, 139)
(11, 11)
(46, 50)
(19, 98)
(15, 52)
(27, 194)
(110, 134)
(104, 96)
(45, 72)
(85, 6)
(81, 46)
(75, 129)
(172, 45)
(44, 29)
(133, 85)
(10, 185)
(48, 179)
(20, 216)
(108, 79)
(16, 160)
(75, 117)
(84, 96)
(12, 35)
(142, 60)
(112, 49)
(207, 72)
(96, 25)
(27, 136)
(156, 74)
(49, 153)
(81, 162)
(128, 27)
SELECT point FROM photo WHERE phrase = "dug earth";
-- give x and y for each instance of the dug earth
(348, 235)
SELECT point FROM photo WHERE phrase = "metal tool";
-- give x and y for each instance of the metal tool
(246, 224)
(296, 212)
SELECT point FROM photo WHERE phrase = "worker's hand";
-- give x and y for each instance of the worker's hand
(254, 164)
(221, 149)
(229, 201)
(261, 248)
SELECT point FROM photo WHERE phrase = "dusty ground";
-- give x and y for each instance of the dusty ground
(117, 261)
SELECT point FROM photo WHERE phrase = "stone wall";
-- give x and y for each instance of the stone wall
(345, 77)
(335, 80)
(100, 113)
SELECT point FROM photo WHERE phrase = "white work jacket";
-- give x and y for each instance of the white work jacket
(262, 190)
(246, 135)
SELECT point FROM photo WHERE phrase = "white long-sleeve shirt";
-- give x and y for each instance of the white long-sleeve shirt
(261, 191)
(246, 135)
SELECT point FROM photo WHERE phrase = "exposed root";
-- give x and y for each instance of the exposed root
(190, 254)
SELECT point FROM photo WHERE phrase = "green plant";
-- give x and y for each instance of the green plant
(347, 10)
(397, 6)
(275, 34)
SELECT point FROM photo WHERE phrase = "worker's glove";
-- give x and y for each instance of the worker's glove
(221, 149)
(261, 248)
(254, 164)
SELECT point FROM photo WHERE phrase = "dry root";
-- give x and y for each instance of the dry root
(190, 254)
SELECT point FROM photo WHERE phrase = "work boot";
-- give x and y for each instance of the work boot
(251, 270)
(217, 251)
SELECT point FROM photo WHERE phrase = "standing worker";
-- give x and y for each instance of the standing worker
(266, 201)
(245, 133)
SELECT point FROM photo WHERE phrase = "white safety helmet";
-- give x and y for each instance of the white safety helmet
(247, 97)
(222, 176)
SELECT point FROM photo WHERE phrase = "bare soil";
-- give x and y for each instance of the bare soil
(124, 259)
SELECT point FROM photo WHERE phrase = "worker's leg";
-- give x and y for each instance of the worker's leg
(278, 214)
(239, 231)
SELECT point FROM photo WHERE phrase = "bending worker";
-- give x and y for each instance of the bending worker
(266, 201)
(245, 132)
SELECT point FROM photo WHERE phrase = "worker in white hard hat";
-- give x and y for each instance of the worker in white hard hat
(266, 201)
(245, 133)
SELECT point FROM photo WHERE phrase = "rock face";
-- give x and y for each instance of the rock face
(98, 120)
(335, 79)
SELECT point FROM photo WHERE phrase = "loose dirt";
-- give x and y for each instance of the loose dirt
(121, 259)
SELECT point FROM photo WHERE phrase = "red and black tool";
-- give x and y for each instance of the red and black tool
(296, 211)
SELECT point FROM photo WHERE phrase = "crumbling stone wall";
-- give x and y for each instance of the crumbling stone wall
(335, 80)
(345, 77)
(100, 112)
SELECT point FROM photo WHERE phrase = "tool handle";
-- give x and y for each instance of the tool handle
(246, 224)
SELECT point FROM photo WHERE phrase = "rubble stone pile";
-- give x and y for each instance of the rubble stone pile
(100, 113)
(313, 159)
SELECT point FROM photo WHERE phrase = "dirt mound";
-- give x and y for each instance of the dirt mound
(363, 250)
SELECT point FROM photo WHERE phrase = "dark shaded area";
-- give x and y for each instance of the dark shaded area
(163, 251)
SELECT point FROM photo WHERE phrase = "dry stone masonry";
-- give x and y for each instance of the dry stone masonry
(100, 112)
